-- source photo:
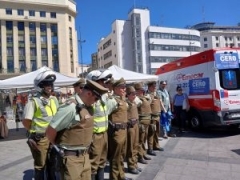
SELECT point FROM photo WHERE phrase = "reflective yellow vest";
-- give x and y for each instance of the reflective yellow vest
(100, 118)
(43, 114)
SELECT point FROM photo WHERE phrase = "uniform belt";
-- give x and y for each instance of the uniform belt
(38, 134)
(119, 125)
(133, 120)
(75, 152)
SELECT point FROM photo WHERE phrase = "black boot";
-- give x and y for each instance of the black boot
(93, 176)
(100, 174)
(39, 174)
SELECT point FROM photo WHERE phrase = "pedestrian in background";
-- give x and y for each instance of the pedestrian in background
(165, 110)
(180, 107)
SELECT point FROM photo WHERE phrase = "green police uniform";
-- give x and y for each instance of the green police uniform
(154, 128)
(117, 134)
(144, 111)
(132, 133)
(40, 111)
(74, 125)
(99, 147)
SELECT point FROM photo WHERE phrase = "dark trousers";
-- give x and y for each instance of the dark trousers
(181, 117)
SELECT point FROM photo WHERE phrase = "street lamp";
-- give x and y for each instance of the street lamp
(80, 41)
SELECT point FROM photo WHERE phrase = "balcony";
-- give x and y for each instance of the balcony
(44, 58)
(33, 58)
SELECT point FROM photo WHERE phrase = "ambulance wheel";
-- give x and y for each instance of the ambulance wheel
(195, 121)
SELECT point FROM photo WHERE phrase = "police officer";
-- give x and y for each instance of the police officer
(38, 113)
(154, 129)
(117, 130)
(78, 86)
(144, 111)
(133, 132)
(99, 147)
(109, 85)
(72, 128)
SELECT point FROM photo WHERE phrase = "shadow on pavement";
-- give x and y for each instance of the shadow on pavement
(237, 151)
(13, 134)
(213, 132)
(28, 174)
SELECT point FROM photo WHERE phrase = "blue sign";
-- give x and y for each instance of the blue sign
(199, 86)
(227, 60)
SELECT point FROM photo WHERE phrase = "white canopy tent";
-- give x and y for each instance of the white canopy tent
(131, 76)
(26, 80)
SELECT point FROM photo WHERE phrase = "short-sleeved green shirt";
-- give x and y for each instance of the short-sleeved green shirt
(66, 115)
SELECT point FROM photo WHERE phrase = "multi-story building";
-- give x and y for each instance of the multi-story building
(135, 45)
(212, 36)
(36, 33)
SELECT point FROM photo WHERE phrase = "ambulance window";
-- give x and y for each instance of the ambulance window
(230, 79)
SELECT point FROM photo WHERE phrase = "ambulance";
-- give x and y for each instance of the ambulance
(211, 79)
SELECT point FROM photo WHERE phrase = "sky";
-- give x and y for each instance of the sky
(95, 17)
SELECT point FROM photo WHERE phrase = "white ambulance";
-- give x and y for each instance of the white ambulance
(212, 81)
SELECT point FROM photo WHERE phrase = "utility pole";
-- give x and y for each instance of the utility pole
(80, 41)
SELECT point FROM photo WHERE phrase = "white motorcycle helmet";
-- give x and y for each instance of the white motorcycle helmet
(102, 74)
(44, 78)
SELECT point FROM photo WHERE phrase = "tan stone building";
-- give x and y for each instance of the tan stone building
(36, 33)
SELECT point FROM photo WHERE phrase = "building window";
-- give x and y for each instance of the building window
(205, 39)
(42, 13)
(20, 26)
(69, 18)
(230, 38)
(33, 52)
(20, 12)
(205, 45)
(32, 27)
(10, 66)
(43, 39)
(22, 66)
(238, 44)
(21, 51)
(44, 51)
(53, 14)
(9, 38)
(43, 27)
(217, 44)
(9, 11)
(44, 63)
(216, 38)
(54, 28)
(54, 52)
(9, 25)
(54, 40)
(33, 65)
(226, 38)
(238, 38)
(32, 39)
(9, 51)
(31, 13)
(226, 45)
(20, 38)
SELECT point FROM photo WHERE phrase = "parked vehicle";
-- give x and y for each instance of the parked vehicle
(212, 81)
